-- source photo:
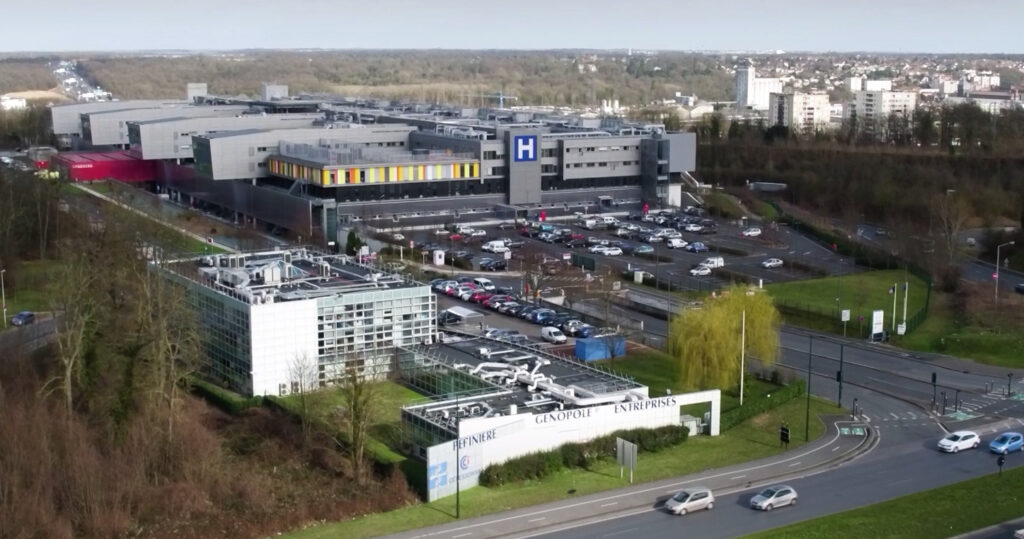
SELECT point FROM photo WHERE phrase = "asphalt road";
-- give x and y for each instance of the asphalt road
(884, 474)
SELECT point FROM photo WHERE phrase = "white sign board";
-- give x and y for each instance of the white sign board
(845, 315)
(877, 322)
(901, 329)
(492, 440)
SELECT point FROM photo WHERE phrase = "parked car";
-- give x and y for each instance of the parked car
(773, 497)
(690, 500)
(612, 251)
(477, 233)
(697, 247)
(497, 333)
(694, 227)
(594, 240)
(675, 243)
(651, 238)
(700, 271)
(494, 265)
(23, 318)
(541, 316)
(479, 296)
(553, 335)
(397, 236)
(705, 230)
(1007, 442)
(511, 243)
(1019, 288)
(772, 263)
(751, 232)
(436, 283)
(597, 249)
(495, 299)
(961, 439)
(713, 262)
(570, 326)
(576, 244)
(586, 331)
(524, 313)
(642, 250)
(505, 307)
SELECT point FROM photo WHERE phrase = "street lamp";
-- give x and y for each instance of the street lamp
(998, 247)
(3, 295)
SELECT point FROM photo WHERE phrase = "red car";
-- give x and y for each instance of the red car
(479, 297)
(456, 237)
(496, 298)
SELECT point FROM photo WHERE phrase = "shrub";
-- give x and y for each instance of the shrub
(756, 407)
(227, 401)
(580, 455)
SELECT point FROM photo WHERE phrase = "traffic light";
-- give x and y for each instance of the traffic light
(934, 377)
(784, 434)
(1000, 461)
(839, 376)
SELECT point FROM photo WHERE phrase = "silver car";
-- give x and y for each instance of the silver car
(773, 497)
(691, 499)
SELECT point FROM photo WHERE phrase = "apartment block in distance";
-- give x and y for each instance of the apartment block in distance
(799, 111)
(870, 109)
(263, 312)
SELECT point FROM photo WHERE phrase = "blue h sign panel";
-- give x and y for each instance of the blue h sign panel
(437, 476)
(524, 148)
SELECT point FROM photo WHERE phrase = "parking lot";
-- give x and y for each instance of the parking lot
(743, 256)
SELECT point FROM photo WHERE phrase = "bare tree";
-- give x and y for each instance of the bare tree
(952, 211)
(359, 393)
(303, 375)
(75, 310)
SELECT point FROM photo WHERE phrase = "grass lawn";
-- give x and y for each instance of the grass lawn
(724, 204)
(385, 431)
(754, 439)
(862, 293)
(924, 514)
(998, 341)
(27, 287)
(654, 369)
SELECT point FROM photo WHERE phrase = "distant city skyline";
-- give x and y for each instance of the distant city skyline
(982, 26)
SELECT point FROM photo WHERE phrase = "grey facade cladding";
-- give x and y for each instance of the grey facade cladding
(111, 127)
(67, 119)
(522, 154)
(682, 155)
(243, 155)
(172, 138)
(600, 157)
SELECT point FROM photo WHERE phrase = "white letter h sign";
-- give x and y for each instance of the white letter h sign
(526, 148)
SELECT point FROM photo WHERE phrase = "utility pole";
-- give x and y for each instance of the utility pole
(996, 275)
(842, 350)
(743, 350)
(807, 415)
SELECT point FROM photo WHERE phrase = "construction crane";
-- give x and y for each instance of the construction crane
(499, 95)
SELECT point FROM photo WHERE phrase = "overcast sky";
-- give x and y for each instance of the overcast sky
(982, 26)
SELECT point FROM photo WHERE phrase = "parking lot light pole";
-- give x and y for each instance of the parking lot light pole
(998, 247)
(807, 415)
(3, 293)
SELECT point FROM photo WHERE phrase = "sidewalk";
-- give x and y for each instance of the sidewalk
(834, 448)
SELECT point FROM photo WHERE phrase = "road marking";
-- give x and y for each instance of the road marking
(794, 464)
(537, 519)
(742, 476)
(609, 504)
(834, 449)
(620, 532)
(894, 415)
(912, 416)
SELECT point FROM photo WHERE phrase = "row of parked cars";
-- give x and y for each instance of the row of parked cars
(503, 300)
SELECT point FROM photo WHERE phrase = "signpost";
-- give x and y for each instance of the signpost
(625, 454)
(845, 318)
(877, 324)
(784, 435)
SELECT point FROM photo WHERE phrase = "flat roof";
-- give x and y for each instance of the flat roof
(562, 370)
(286, 275)
(95, 157)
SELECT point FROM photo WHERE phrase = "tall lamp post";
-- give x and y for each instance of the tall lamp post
(807, 415)
(998, 247)
(3, 295)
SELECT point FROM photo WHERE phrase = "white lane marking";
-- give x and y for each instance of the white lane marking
(537, 519)
(609, 504)
(632, 494)
(912, 416)
(620, 532)
(461, 535)
(794, 464)
(834, 449)
(742, 476)
(894, 416)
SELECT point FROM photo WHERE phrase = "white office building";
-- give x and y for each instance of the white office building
(878, 85)
(262, 312)
(799, 111)
(872, 108)
(752, 92)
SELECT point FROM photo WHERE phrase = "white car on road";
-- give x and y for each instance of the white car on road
(961, 439)
(700, 271)
(773, 497)
(772, 263)
(598, 249)
(612, 251)
(751, 232)
(689, 500)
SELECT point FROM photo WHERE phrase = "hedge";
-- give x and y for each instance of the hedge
(224, 399)
(580, 455)
(754, 407)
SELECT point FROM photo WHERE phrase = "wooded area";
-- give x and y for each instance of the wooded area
(101, 437)
(21, 74)
(536, 77)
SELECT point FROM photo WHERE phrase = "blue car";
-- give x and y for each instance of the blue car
(23, 318)
(697, 247)
(1006, 442)
(643, 249)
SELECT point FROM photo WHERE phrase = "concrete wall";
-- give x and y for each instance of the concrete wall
(111, 127)
(524, 185)
(172, 138)
(602, 157)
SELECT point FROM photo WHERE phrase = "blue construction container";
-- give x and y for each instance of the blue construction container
(597, 348)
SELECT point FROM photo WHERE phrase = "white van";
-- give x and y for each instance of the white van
(496, 246)
(675, 243)
(483, 284)
(553, 335)
(713, 262)
(609, 220)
